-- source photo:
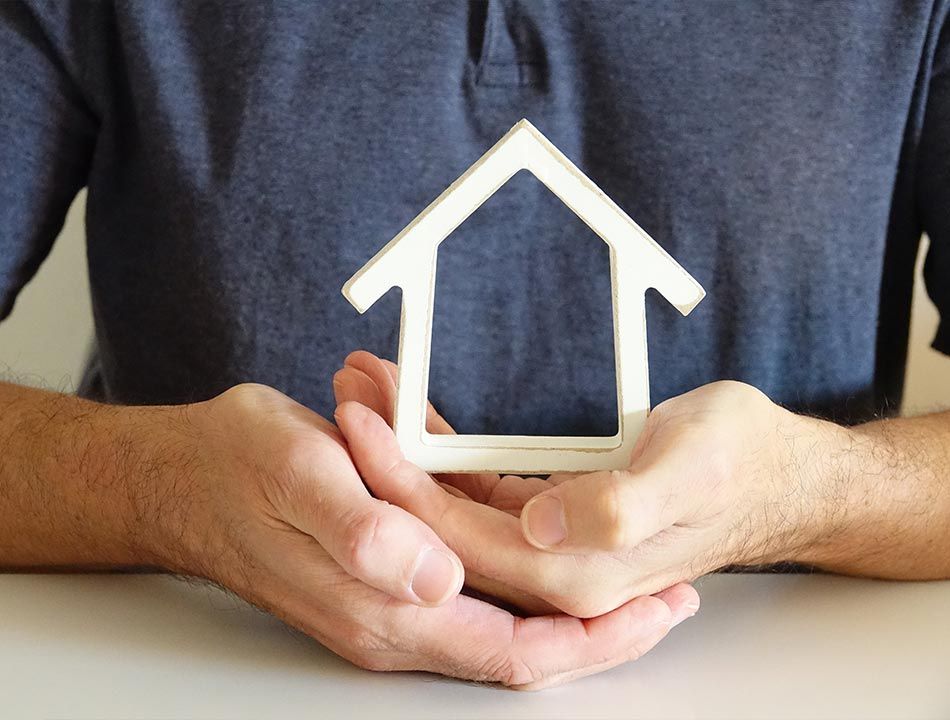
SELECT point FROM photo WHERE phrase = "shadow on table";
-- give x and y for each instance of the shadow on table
(159, 614)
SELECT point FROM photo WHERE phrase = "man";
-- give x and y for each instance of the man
(243, 159)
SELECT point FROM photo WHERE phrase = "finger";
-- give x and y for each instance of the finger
(489, 541)
(508, 493)
(380, 544)
(481, 642)
(352, 385)
(491, 589)
(481, 487)
(452, 490)
(384, 380)
(435, 423)
(505, 492)
(683, 601)
(465, 637)
(558, 478)
(587, 646)
(385, 470)
(505, 596)
(608, 510)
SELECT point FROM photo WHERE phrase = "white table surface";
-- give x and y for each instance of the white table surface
(767, 646)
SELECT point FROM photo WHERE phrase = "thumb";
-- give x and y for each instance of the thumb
(379, 544)
(388, 548)
(608, 510)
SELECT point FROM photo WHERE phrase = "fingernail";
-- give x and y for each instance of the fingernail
(688, 611)
(544, 521)
(436, 577)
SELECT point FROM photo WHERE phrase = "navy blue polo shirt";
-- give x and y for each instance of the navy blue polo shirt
(243, 159)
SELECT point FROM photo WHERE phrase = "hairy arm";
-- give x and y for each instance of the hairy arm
(79, 484)
(883, 497)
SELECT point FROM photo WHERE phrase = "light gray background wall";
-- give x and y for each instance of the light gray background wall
(45, 341)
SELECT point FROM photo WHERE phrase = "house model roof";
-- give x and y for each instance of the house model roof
(412, 252)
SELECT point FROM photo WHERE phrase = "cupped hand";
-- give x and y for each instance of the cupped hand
(481, 524)
(720, 476)
(256, 492)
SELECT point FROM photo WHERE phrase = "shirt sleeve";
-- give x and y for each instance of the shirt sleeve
(934, 186)
(47, 133)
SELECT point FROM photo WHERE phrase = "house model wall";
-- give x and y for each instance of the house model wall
(408, 261)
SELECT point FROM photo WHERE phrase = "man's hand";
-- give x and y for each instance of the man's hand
(720, 476)
(476, 514)
(255, 492)
(723, 476)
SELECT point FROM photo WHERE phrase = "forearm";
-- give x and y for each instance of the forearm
(882, 506)
(78, 481)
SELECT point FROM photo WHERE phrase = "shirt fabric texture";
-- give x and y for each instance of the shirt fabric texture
(244, 159)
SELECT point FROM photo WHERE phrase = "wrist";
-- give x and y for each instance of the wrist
(876, 497)
(831, 466)
(815, 480)
(119, 482)
(156, 451)
(126, 496)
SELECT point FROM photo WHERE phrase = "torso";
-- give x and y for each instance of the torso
(252, 157)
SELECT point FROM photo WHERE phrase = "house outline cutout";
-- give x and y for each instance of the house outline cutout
(408, 261)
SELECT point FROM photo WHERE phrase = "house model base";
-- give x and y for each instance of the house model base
(408, 261)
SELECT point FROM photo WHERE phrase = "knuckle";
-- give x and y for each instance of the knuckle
(727, 386)
(250, 395)
(504, 664)
(518, 672)
(732, 395)
(296, 451)
(508, 670)
(291, 473)
(360, 539)
(245, 405)
(301, 451)
(613, 507)
(368, 649)
(739, 389)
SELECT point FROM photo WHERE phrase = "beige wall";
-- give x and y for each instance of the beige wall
(44, 342)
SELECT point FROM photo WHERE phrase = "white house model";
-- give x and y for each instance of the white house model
(408, 261)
